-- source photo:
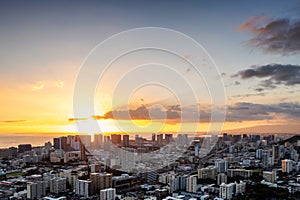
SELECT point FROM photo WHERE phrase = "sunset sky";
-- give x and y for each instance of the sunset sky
(255, 44)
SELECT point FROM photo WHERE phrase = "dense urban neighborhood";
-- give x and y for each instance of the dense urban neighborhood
(109, 167)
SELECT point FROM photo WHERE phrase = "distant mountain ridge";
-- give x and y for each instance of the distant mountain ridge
(269, 129)
(292, 139)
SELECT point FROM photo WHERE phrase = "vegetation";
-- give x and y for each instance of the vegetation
(14, 174)
(261, 191)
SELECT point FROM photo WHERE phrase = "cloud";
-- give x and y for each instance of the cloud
(76, 119)
(239, 112)
(38, 86)
(244, 111)
(14, 121)
(247, 112)
(273, 74)
(252, 23)
(250, 95)
(259, 89)
(237, 83)
(273, 35)
(143, 113)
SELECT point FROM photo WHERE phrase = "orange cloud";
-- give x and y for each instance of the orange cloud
(76, 119)
(252, 24)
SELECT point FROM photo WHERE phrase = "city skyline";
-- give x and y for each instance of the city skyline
(44, 45)
(150, 100)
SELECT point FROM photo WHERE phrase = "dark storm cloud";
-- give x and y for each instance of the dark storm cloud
(245, 111)
(275, 74)
(274, 35)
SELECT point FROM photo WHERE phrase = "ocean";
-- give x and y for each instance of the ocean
(14, 140)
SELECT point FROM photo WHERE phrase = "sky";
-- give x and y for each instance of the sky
(254, 44)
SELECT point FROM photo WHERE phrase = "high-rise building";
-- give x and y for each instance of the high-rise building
(168, 138)
(95, 168)
(58, 185)
(108, 194)
(182, 181)
(83, 188)
(100, 181)
(64, 144)
(281, 151)
(246, 173)
(73, 142)
(237, 138)
(36, 190)
(31, 190)
(221, 165)
(116, 138)
(5, 153)
(225, 136)
(226, 191)
(265, 158)
(14, 151)
(72, 179)
(182, 139)
(276, 153)
(40, 189)
(106, 138)
(176, 182)
(138, 140)
(160, 138)
(125, 140)
(259, 153)
(127, 159)
(153, 137)
(269, 138)
(255, 138)
(240, 187)
(231, 149)
(148, 176)
(287, 165)
(196, 153)
(98, 140)
(86, 140)
(56, 143)
(207, 172)
(270, 176)
(191, 184)
(298, 143)
(106, 142)
(24, 147)
(48, 145)
(60, 143)
(221, 178)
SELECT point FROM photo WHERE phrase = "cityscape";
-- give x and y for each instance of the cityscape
(239, 167)
(150, 100)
